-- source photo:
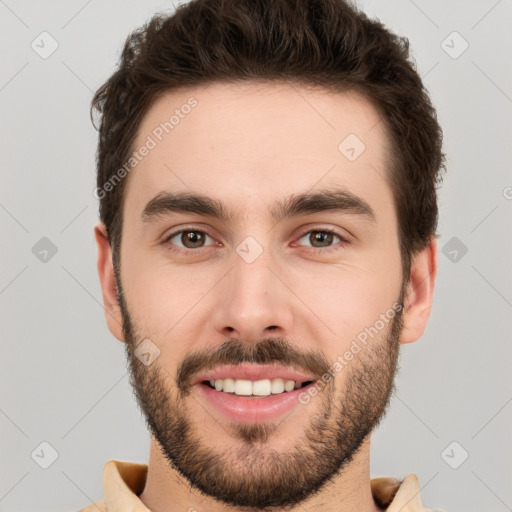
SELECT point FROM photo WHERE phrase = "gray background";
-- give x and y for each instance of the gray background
(63, 376)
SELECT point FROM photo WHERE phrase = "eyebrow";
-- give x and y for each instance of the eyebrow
(338, 200)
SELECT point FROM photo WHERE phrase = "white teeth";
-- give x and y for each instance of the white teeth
(277, 386)
(289, 385)
(228, 385)
(242, 387)
(263, 387)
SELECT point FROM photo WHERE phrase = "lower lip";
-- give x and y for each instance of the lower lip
(250, 410)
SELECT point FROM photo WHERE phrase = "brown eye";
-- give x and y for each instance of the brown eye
(188, 239)
(321, 238)
(192, 239)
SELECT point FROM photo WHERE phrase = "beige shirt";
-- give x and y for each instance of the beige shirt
(124, 481)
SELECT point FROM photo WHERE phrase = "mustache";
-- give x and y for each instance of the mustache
(234, 351)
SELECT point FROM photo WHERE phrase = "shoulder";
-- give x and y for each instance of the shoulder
(395, 495)
(384, 490)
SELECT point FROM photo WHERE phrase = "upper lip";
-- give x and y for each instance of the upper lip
(254, 372)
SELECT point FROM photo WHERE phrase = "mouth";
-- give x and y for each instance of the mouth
(252, 393)
(255, 389)
(255, 373)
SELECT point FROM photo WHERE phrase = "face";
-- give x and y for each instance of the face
(256, 253)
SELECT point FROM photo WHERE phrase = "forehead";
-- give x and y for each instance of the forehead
(248, 143)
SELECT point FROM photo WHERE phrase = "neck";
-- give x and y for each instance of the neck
(166, 490)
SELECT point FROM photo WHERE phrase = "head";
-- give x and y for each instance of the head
(297, 145)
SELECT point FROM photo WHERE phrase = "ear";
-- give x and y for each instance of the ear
(420, 291)
(108, 282)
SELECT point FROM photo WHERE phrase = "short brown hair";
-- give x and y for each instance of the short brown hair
(324, 43)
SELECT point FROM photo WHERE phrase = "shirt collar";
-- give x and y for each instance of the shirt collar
(123, 482)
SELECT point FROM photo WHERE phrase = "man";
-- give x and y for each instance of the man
(267, 175)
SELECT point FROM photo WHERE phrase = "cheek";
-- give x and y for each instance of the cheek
(348, 297)
(351, 292)
(162, 297)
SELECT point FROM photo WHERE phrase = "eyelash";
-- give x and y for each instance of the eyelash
(316, 250)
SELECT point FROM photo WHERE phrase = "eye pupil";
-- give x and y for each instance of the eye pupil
(322, 237)
(192, 237)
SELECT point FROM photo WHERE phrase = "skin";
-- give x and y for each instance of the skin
(248, 146)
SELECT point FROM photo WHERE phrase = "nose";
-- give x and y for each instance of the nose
(252, 302)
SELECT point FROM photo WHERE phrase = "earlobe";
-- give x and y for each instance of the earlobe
(108, 283)
(420, 291)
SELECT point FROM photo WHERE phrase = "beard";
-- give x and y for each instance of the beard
(251, 474)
